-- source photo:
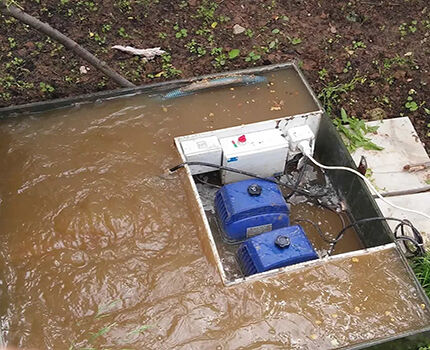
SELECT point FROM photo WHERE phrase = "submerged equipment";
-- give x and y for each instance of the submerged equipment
(250, 207)
(214, 83)
(275, 249)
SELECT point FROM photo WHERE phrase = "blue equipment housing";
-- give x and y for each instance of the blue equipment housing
(278, 248)
(250, 207)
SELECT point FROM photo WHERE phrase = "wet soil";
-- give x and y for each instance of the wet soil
(385, 42)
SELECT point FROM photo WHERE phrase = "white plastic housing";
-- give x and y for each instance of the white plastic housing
(205, 149)
(298, 135)
(264, 153)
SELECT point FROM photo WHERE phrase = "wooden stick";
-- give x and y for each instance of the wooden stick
(11, 10)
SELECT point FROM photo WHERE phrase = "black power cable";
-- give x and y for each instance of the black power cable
(417, 240)
(246, 173)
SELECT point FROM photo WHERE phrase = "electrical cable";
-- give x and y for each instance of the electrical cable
(246, 173)
(297, 183)
(417, 241)
(200, 179)
(317, 228)
(306, 152)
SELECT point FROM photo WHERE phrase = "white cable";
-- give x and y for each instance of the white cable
(304, 147)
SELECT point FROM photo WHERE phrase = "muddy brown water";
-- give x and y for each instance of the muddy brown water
(97, 238)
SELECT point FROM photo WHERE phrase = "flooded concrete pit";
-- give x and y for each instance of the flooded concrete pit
(92, 225)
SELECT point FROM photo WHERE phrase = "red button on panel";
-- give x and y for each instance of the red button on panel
(242, 138)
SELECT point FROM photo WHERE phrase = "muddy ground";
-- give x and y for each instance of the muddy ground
(369, 57)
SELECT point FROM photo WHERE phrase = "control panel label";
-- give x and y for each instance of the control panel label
(256, 230)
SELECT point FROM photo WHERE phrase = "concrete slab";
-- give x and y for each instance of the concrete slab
(402, 146)
(417, 201)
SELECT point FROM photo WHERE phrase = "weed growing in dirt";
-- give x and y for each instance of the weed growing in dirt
(219, 57)
(232, 54)
(206, 11)
(180, 32)
(358, 45)
(294, 41)
(168, 70)
(323, 74)
(249, 33)
(195, 48)
(46, 88)
(354, 130)
(106, 28)
(421, 267)
(101, 40)
(330, 95)
(122, 33)
(252, 57)
(406, 28)
(410, 104)
(12, 42)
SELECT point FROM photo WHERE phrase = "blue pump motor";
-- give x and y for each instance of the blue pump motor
(278, 248)
(250, 207)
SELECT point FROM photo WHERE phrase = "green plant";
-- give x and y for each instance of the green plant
(323, 73)
(249, 33)
(294, 41)
(195, 48)
(224, 19)
(331, 94)
(410, 104)
(168, 70)
(106, 28)
(348, 67)
(219, 57)
(180, 32)
(97, 38)
(124, 5)
(122, 33)
(406, 28)
(206, 11)
(162, 35)
(273, 44)
(252, 57)
(358, 45)
(421, 267)
(46, 88)
(12, 42)
(354, 131)
(232, 54)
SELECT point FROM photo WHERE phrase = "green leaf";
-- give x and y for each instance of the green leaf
(102, 331)
(343, 115)
(233, 53)
(275, 31)
(412, 106)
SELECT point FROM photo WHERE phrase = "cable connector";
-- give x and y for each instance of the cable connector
(305, 148)
(301, 135)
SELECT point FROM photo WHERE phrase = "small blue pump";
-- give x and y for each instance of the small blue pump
(250, 207)
(275, 249)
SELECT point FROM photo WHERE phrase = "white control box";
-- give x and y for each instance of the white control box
(205, 149)
(263, 153)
